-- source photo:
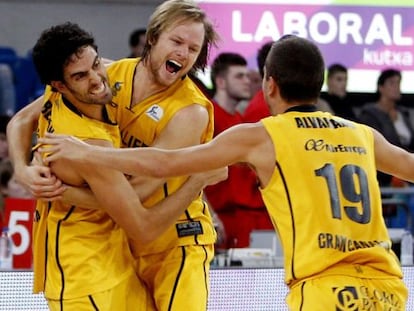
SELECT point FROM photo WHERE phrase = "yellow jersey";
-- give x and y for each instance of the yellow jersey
(140, 125)
(77, 251)
(324, 198)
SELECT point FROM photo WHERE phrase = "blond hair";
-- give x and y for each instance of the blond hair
(171, 11)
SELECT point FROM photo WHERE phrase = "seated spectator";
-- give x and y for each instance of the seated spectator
(257, 108)
(335, 98)
(137, 42)
(7, 91)
(4, 149)
(255, 86)
(6, 172)
(389, 118)
(30, 86)
(236, 201)
(255, 81)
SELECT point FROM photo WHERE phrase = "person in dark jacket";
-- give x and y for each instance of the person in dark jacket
(389, 118)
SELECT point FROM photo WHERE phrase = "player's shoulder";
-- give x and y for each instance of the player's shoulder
(122, 63)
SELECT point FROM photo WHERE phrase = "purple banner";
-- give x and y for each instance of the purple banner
(359, 37)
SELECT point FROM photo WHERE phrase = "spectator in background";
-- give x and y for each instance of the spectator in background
(335, 99)
(4, 149)
(255, 86)
(386, 116)
(236, 200)
(257, 108)
(9, 185)
(137, 42)
(6, 172)
(7, 91)
(255, 81)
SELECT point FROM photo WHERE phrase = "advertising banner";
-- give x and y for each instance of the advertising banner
(365, 36)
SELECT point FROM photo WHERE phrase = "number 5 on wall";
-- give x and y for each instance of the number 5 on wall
(19, 219)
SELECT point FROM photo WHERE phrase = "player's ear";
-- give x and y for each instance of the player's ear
(270, 86)
(58, 85)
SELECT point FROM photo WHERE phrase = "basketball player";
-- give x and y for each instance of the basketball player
(155, 103)
(318, 181)
(82, 259)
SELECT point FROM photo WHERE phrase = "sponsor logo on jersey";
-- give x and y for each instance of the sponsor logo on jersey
(345, 244)
(116, 88)
(155, 112)
(189, 228)
(321, 145)
(363, 298)
(347, 298)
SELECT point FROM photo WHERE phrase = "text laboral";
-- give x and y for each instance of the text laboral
(325, 28)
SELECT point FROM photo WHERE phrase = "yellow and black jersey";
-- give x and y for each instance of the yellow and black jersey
(140, 125)
(324, 198)
(77, 251)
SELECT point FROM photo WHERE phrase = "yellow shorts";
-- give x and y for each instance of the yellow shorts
(346, 293)
(128, 295)
(178, 279)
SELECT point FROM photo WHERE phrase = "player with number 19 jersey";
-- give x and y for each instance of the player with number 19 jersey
(337, 176)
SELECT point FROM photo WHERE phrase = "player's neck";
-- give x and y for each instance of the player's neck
(145, 84)
(90, 110)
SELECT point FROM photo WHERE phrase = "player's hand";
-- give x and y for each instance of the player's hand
(58, 146)
(40, 182)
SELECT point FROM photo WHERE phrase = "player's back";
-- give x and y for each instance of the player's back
(324, 197)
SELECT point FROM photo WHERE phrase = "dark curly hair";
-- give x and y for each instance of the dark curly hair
(54, 48)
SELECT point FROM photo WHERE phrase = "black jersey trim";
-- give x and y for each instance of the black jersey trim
(177, 279)
(302, 108)
(95, 307)
(62, 274)
(105, 115)
(206, 276)
(49, 206)
(71, 106)
(302, 296)
(282, 176)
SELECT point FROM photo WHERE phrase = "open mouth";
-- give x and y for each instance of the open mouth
(172, 66)
(99, 90)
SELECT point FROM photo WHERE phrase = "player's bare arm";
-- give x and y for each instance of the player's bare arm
(36, 178)
(393, 160)
(243, 143)
(117, 197)
(176, 135)
(84, 196)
